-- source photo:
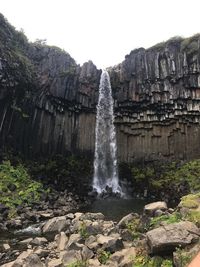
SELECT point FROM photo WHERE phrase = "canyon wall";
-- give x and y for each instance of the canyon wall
(48, 102)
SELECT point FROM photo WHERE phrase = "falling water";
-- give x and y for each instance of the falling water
(105, 162)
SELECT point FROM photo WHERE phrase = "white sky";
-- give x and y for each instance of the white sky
(103, 31)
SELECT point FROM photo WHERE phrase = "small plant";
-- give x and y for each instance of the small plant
(183, 258)
(167, 263)
(133, 228)
(103, 256)
(146, 261)
(83, 230)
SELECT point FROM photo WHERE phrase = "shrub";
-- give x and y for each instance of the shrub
(103, 256)
(83, 231)
(16, 186)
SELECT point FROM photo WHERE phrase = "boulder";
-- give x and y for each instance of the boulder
(45, 215)
(126, 235)
(13, 264)
(109, 243)
(167, 238)
(6, 247)
(38, 241)
(33, 261)
(152, 207)
(25, 254)
(41, 252)
(56, 224)
(74, 242)
(126, 219)
(70, 216)
(124, 257)
(26, 241)
(61, 241)
(93, 228)
(18, 263)
(91, 243)
(55, 263)
(71, 256)
(87, 253)
(94, 263)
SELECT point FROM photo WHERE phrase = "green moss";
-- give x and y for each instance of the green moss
(193, 216)
(168, 219)
(191, 201)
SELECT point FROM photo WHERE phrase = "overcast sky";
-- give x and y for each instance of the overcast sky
(103, 30)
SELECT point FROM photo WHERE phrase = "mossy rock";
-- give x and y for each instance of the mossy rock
(192, 204)
(191, 201)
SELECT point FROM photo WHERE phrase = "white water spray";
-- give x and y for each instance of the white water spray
(105, 161)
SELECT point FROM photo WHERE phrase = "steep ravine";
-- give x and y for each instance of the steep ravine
(48, 102)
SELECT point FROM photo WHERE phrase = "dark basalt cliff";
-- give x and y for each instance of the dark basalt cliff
(48, 102)
(157, 94)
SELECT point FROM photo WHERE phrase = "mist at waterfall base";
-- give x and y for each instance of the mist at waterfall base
(105, 179)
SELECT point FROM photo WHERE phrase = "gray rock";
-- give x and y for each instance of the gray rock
(62, 240)
(70, 216)
(158, 213)
(152, 207)
(169, 237)
(38, 241)
(92, 216)
(93, 228)
(41, 252)
(94, 263)
(75, 242)
(126, 235)
(87, 253)
(126, 219)
(71, 257)
(26, 241)
(33, 261)
(124, 257)
(109, 243)
(55, 263)
(6, 247)
(56, 224)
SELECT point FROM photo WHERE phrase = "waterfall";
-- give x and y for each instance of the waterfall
(105, 161)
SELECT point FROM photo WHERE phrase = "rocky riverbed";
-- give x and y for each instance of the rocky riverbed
(161, 236)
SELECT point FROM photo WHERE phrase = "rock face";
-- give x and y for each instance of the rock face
(48, 102)
(157, 94)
